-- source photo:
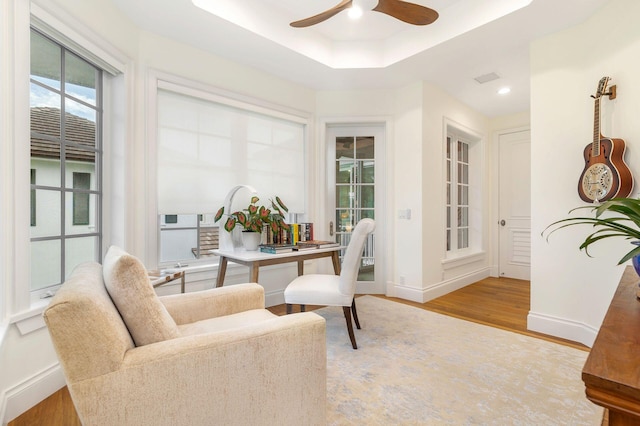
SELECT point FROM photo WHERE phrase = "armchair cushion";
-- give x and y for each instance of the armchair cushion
(127, 282)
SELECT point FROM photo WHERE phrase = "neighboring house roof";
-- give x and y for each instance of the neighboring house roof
(45, 135)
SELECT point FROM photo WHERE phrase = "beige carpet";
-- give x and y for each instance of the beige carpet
(417, 367)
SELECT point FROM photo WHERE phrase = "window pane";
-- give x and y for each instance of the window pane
(463, 216)
(48, 211)
(79, 250)
(80, 77)
(463, 195)
(45, 121)
(80, 124)
(80, 199)
(367, 172)
(367, 196)
(81, 213)
(85, 166)
(178, 244)
(343, 196)
(47, 270)
(344, 169)
(365, 147)
(45, 61)
(344, 147)
(367, 213)
(344, 220)
(463, 238)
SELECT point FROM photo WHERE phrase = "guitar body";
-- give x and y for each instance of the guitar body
(605, 174)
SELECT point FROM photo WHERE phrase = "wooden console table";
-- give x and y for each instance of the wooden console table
(612, 372)
(255, 259)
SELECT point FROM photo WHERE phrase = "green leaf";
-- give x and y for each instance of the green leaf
(281, 204)
(219, 214)
(230, 224)
(254, 199)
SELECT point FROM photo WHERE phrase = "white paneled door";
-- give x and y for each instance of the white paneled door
(515, 205)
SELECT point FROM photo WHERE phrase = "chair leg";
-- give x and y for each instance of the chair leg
(288, 308)
(347, 316)
(355, 313)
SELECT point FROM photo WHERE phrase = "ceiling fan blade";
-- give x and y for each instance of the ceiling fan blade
(344, 4)
(408, 12)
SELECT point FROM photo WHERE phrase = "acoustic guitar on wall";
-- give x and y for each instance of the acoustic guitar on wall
(605, 173)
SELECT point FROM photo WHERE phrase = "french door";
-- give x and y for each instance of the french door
(355, 173)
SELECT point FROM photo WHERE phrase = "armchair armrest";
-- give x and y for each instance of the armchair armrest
(275, 371)
(191, 307)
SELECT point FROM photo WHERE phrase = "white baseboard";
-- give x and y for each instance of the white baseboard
(453, 284)
(20, 398)
(422, 295)
(561, 327)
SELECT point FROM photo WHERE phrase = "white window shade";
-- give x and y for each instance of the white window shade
(206, 148)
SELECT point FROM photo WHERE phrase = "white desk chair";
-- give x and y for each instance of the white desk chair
(334, 290)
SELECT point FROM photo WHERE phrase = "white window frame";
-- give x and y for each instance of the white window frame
(18, 305)
(457, 132)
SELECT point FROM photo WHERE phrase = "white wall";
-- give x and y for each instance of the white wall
(570, 292)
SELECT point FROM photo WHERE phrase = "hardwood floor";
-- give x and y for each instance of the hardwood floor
(498, 302)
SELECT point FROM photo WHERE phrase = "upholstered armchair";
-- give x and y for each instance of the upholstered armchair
(203, 358)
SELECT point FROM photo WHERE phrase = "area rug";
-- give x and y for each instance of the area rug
(415, 367)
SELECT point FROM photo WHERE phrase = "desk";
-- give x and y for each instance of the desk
(255, 259)
(158, 278)
(611, 373)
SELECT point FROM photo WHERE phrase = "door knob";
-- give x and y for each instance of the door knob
(502, 222)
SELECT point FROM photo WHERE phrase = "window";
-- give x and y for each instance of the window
(66, 157)
(81, 200)
(463, 192)
(207, 145)
(457, 194)
(33, 197)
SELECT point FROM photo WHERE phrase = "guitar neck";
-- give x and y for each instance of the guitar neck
(595, 146)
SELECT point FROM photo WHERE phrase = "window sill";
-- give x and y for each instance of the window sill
(461, 259)
(30, 320)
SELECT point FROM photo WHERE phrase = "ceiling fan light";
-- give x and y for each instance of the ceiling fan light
(355, 12)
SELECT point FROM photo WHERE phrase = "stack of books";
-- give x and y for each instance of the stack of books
(276, 248)
(315, 244)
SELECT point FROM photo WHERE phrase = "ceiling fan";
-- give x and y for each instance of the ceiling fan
(410, 13)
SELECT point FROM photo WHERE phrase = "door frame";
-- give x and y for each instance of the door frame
(495, 203)
(384, 242)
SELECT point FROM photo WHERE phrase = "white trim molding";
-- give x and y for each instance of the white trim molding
(19, 398)
(562, 327)
(433, 291)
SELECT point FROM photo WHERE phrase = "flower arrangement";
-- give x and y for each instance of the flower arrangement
(255, 217)
(625, 223)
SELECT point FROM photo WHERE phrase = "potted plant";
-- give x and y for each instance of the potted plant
(254, 218)
(622, 219)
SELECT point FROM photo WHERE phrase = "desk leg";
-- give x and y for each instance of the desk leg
(222, 270)
(300, 267)
(335, 258)
(253, 278)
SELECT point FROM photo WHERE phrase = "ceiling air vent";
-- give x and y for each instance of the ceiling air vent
(487, 78)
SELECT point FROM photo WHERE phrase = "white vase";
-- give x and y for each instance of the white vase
(251, 240)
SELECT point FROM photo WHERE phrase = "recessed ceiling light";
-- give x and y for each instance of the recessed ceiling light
(355, 12)
(504, 90)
